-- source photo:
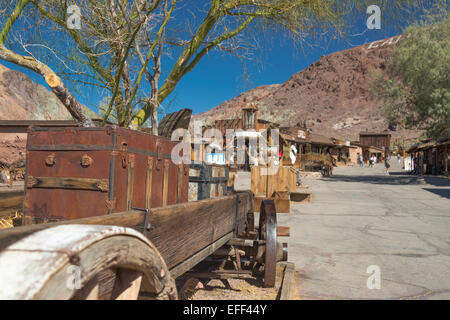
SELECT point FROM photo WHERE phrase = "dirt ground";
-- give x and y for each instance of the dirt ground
(251, 288)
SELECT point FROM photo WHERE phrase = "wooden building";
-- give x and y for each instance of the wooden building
(431, 157)
(248, 121)
(378, 140)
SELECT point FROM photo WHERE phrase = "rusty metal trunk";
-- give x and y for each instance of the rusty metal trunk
(83, 172)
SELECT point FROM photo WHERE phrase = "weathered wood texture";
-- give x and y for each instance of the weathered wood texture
(283, 179)
(178, 231)
(173, 121)
(198, 257)
(43, 261)
(207, 181)
(182, 230)
(282, 202)
(301, 197)
(288, 282)
(68, 183)
(283, 231)
(10, 201)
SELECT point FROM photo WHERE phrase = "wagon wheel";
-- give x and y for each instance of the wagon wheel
(113, 271)
(85, 262)
(268, 232)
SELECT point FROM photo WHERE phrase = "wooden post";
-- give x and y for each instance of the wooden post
(288, 284)
(446, 159)
(436, 161)
(11, 178)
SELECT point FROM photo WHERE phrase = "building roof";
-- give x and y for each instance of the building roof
(250, 106)
(315, 138)
(427, 144)
(44, 123)
(374, 134)
(290, 137)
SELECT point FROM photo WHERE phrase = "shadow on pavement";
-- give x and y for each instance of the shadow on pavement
(394, 178)
(437, 181)
(377, 179)
(445, 193)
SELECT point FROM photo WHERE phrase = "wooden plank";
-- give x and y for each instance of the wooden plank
(10, 201)
(178, 231)
(258, 182)
(292, 180)
(132, 219)
(282, 201)
(165, 182)
(282, 205)
(284, 180)
(283, 231)
(184, 229)
(126, 285)
(68, 183)
(192, 261)
(300, 197)
(287, 285)
(223, 274)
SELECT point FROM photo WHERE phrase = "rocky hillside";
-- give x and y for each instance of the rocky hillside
(23, 99)
(331, 96)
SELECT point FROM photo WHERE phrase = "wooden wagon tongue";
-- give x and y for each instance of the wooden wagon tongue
(81, 172)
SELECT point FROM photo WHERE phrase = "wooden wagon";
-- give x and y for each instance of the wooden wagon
(84, 252)
(316, 162)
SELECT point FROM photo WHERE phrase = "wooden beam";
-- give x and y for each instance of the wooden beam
(68, 183)
(283, 231)
(446, 159)
(287, 285)
(11, 201)
(178, 231)
(199, 256)
(223, 274)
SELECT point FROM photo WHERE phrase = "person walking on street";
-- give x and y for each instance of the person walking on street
(386, 164)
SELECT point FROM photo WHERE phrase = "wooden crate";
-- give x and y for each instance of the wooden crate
(207, 181)
(282, 202)
(284, 180)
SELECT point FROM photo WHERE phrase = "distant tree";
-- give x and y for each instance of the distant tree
(119, 48)
(415, 86)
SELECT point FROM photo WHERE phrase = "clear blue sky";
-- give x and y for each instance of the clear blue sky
(219, 77)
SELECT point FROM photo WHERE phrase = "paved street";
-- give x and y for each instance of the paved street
(361, 217)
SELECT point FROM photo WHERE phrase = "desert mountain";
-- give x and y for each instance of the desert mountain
(331, 96)
(23, 99)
